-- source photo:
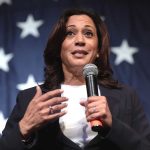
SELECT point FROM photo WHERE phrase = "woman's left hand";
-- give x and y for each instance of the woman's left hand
(96, 108)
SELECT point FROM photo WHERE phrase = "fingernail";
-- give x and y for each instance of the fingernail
(61, 90)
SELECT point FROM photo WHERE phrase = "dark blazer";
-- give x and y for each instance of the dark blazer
(130, 127)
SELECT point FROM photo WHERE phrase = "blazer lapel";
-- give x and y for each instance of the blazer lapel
(66, 141)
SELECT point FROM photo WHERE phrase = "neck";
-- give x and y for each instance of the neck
(73, 76)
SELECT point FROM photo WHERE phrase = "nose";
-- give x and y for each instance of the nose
(79, 40)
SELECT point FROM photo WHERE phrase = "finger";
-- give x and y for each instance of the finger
(95, 113)
(92, 117)
(59, 107)
(95, 98)
(92, 99)
(55, 115)
(38, 92)
(92, 110)
(55, 109)
(83, 103)
(59, 114)
(93, 104)
(100, 102)
(54, 101)
(51, 94)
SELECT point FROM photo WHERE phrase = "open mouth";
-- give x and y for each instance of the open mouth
(79, 53)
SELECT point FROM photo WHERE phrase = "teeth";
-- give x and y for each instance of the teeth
(79, 52)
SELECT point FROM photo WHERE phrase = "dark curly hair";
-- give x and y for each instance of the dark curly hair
(53, 70)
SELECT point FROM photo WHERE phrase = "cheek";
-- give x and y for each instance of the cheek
(94, 52)
(62, 55)
(93, 43)
(66, 45)
(93, 58)
(94, 48)
(63, 49)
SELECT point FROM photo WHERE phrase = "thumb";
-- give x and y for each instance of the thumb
(38, 92)
(83, 103)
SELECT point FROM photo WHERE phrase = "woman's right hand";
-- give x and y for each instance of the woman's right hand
(39, 110)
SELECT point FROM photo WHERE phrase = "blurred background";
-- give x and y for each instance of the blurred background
(25, 26)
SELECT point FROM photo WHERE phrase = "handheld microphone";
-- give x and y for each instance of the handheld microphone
(90, 73)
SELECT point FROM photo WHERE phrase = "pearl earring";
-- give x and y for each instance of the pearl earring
(97, 55)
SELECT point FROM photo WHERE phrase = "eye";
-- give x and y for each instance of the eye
(70, 33)
(88, 34)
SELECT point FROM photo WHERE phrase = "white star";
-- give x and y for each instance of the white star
(30, 27)
(4, 59)
(30, 83)
(5, 1)
(124, 53)
(2, 122)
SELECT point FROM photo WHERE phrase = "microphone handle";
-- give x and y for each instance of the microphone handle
(92, 90)
(91, 85)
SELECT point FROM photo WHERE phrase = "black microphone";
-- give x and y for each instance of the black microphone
(90, 73)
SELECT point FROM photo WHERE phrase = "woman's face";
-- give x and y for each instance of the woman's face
(81, 42)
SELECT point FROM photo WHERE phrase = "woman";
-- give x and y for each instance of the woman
(56, 115)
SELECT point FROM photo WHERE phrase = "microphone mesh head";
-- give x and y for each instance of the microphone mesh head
(90, 69)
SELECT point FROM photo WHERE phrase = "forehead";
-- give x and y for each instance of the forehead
(80, 19)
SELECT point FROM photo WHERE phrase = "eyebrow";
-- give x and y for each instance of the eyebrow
(84, 26)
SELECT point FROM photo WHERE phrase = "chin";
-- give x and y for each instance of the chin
(79, 65)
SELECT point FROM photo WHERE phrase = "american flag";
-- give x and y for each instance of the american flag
(24, 29)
